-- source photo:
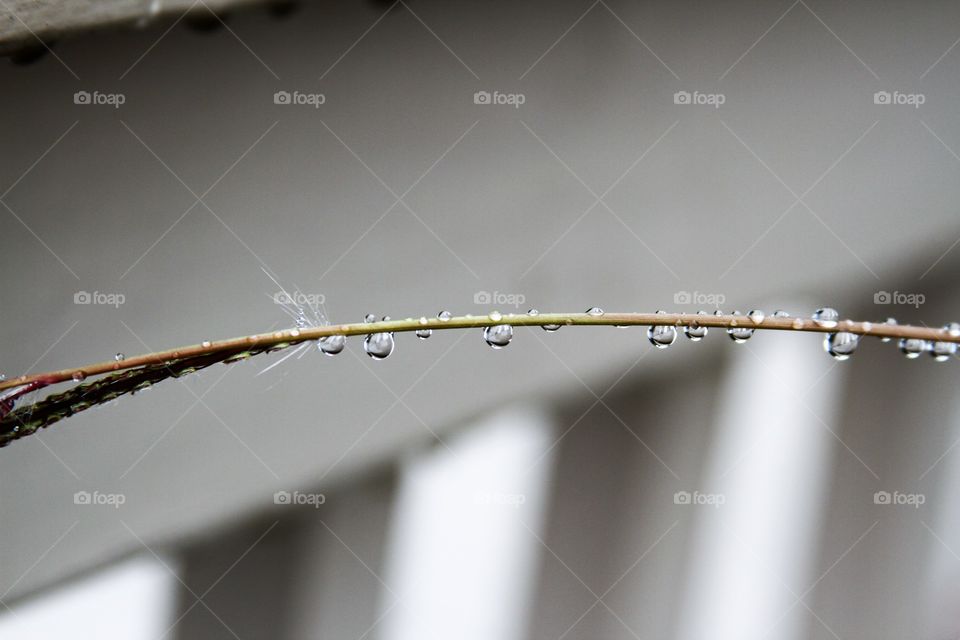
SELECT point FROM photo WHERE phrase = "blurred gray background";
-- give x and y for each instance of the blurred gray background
(405, 193)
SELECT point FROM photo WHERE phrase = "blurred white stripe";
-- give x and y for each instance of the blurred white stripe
(462, 554)
(770, 462)
(132, 600)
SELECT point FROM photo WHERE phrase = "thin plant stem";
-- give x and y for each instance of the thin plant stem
(280, 339)
(102, 382)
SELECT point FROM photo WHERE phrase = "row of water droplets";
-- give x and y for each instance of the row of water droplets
(840, 345)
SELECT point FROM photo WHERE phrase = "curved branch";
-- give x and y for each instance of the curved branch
(140, 372)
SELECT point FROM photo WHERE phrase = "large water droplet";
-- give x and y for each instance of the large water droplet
(756, 316)
(941, 350)
(119, 357)
(498, 336)
(594, 311)
(423, 334)
(694, 330)
(444, 316)
(738, 333)
(890, 321)
(661, 336)
(952, 329)
(378, 345)
(826, 317)
(332, 345)
(913, 347)
(841, 345)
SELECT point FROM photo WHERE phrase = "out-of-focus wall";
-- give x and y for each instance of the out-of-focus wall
(695, 199)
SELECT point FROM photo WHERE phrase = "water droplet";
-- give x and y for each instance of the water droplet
(780, 313)
(594, 311)
(119, 357)
(385, 319)
(756, 316)
(941, 351)
(423, 334)
(867, 326)
(913, 347)
(826, 317)
(498, 336)
(3, 377)
(718, 312)
(496, 316)
(79, 376)
(890, 321)
(841, 345)
(294, 333)
(206, 344)
(533, 312)
(423, 320)
(551, 327)
(370, 318)
(332, 345)
(661, 336)
(378, 345)
(737, 333)
(444, 316)
(694, 330)
(798, 323)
